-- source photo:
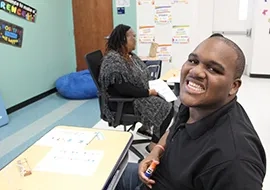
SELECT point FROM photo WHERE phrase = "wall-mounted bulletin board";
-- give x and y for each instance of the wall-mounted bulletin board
(169, 24)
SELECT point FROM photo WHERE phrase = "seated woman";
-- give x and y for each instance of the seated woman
(123, 74)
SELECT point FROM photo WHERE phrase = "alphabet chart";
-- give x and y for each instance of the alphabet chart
(66, 137)
(69, 161)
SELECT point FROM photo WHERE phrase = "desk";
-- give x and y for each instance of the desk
(173, 76)
(146, 58)
(115, 146)
(171, 73)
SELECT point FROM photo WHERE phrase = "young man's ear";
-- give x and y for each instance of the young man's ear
(235, 86)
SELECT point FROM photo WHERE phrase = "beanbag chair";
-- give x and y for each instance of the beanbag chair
(77, 85)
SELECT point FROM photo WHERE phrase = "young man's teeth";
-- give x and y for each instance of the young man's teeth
(195, 86)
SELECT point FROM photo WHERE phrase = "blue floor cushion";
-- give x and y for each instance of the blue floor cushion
(77, 85)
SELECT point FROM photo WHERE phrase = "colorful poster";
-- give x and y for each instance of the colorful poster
(179, 1)
(164, 52)
(19, 9)
(146, 34)
(146, 2)
(180, 34)
(163, 15)
(11, 34)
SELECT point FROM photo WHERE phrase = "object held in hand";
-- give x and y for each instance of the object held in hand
(151, 169)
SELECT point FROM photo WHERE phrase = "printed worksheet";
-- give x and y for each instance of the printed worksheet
(66, 137)
(162, 89)
(71, 161)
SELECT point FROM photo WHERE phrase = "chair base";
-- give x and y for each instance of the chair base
(137, 141)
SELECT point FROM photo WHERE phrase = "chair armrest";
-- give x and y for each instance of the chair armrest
(121, 100)
(119, 111)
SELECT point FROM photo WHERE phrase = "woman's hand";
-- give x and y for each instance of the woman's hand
(152, 92)
(144, 164)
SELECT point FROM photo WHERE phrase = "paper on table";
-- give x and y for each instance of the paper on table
(162, 89)
(69, 161)
(66, 137)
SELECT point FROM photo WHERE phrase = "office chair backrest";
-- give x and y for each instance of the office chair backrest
(94, 60)
(154, 67)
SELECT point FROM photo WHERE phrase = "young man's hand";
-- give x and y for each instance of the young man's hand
(144, 164)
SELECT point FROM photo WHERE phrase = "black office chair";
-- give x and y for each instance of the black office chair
(93, 61)
(154, 67)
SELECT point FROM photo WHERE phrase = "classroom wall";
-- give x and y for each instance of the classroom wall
(201, 19)
(47, 51)
(129, 18)
(203, 14)
(198, 15)
(261, 38)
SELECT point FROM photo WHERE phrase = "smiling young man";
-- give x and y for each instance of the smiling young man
(212, 144)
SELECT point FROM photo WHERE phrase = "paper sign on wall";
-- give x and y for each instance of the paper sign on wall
(122, 3)
(146, 2)
(163, 15)
(164, 52)
(146, 34)
(180, 34)
(10, 33)
(19, 9)
(120, 10)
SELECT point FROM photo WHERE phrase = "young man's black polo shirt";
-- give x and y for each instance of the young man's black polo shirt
(221, 151)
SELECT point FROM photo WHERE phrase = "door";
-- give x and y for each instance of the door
(233, 18)
(93, 20)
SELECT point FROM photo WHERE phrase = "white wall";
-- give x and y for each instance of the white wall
(205, 20)
(201, 23)
(199, 16)
(260, 53)
(261, 40)
(182, 14)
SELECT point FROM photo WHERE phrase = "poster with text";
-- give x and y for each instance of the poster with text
(19, 9)
(146, 34)
(164, 52)
(163, 15)
(146, 2)
(11, 34)
(180, 34)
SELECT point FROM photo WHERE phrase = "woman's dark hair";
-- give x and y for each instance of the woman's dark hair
(117, 40)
